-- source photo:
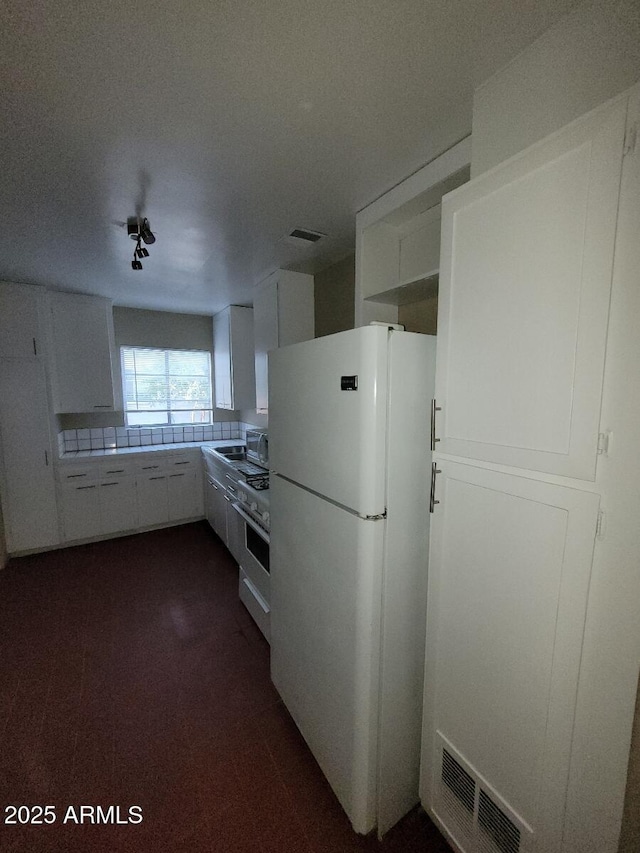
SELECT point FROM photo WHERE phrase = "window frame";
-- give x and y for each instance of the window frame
(166, 424)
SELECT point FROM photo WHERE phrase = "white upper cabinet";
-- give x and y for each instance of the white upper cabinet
(83, 352)
(283, 314)
(234, 377)
(20, 321)
(398, 242)
(525, 279)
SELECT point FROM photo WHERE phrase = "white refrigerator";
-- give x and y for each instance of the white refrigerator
(350, 460)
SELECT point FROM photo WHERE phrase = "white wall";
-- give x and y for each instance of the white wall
(588, 57)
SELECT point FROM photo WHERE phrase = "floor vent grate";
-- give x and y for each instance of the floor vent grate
(476, 817)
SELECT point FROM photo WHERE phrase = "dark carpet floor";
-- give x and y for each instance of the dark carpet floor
(131, 675)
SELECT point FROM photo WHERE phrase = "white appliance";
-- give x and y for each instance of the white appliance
(350, 478)
(252, 508)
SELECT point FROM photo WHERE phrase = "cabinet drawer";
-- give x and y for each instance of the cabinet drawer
(181, 463)
(156, 465)
(78, 474)
(116, 468)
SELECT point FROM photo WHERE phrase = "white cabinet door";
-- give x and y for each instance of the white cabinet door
(82, 342)
(509, 569)
(19, 321)
(28, 486)
(185, 495)
(209, 511)
(525, 278)
(235, 531)
(222, 359)
(265, 326)
(219, 509)
(153, 499)
(234, 372)
(81, 511)
(283, 314)
(118, 505)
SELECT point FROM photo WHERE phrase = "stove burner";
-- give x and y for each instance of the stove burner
(259, 482)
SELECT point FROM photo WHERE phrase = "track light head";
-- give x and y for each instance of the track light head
(146, 233)
(138, 229)
(133, 227)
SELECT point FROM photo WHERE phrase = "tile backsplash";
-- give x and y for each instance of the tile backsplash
(72, 440)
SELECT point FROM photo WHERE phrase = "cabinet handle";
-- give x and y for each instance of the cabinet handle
(80, 488)
(150, 467)
(177, 475)
(35, 347)
(46, 458)
(116, 471)
(432, 497)
(109, 484)
(228, 500)
(107, 406)
(157, 478)
(434, 408)
(186, 462)
(74, 476)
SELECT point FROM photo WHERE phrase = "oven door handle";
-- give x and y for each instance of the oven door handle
(252, 524)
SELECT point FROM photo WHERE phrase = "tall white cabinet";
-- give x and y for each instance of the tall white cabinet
(234, 378)
(283, 314)
(83, 354)
(27, 484)
(526, 271)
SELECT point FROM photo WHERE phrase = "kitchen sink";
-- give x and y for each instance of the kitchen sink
(236, 454)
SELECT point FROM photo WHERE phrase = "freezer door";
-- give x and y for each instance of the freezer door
(327, 416)
(325, 632)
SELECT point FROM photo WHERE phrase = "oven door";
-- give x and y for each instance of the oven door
(254, 551)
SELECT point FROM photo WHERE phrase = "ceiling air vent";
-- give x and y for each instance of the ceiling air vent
(303, 237)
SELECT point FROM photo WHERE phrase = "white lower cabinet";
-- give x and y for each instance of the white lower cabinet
(103, 498)
(81, 511)
(235, 532)
(153, 500)
(184, 495)
(217, 504)
(118, 505)
(27, 484)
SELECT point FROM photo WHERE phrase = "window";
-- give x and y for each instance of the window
(163, 387)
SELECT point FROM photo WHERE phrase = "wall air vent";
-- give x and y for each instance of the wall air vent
(500, 833)
(468, 809)
(458, 780)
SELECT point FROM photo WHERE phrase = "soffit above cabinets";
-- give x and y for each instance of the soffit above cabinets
(227, 125)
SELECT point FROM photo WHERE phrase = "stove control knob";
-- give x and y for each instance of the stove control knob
(265, 517)
(253, 506)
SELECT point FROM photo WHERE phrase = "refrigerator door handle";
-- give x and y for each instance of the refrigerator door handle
(432, 498)
(434, 408)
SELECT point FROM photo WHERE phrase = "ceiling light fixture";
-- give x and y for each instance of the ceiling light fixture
(138, 229)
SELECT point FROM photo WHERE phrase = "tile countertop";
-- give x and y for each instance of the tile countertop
(78, 455)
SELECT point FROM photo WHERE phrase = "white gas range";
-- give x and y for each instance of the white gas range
(252, 507)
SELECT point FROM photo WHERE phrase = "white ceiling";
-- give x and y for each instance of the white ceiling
(228, 123)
